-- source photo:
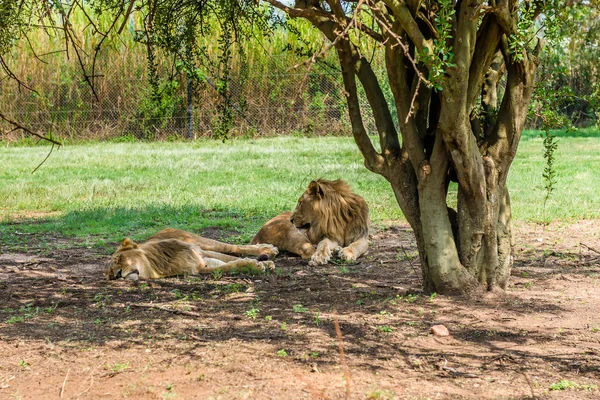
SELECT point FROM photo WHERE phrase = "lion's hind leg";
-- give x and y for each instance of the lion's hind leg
(240, 264)
(243, 250)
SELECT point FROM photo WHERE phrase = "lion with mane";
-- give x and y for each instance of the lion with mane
(172, 252)
(329, 216)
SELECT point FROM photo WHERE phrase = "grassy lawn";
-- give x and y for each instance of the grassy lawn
(98, 193)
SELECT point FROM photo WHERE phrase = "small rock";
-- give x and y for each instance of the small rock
(440, 330)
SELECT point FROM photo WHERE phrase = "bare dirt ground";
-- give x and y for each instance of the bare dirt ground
(66, 333)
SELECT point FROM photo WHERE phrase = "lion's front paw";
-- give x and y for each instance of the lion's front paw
(346, 254)
(266, 266)
(269, 250)
(319, 259)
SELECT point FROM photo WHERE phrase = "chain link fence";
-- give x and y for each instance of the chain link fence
(280, 102)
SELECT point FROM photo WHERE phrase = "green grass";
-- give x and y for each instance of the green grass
(98, 193)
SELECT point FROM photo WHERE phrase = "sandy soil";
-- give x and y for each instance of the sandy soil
(66, 333)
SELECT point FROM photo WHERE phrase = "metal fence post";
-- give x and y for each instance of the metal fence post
(190, 118)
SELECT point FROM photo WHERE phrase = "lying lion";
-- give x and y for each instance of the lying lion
(173, 252)
(328, 215)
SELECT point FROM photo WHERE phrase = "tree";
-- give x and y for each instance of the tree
(444, 61)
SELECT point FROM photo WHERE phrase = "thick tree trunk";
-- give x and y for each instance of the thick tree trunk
(452, 130)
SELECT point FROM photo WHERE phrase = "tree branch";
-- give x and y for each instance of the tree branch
(409, 25)
(18, 126)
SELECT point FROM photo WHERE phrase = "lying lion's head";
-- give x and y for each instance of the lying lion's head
(125, 262)
(331, 209)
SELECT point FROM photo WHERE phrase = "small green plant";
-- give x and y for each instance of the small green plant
(385, 329)
(118, 367)
(14, 319)
(595, 329)
(527, 285)
(268, 318)
(299, 308)
(411, 298)
(179, 295)
(317, 319)
(282, 353)
(284, 326)
(432, 296)
(23, 364)
(379, 394)
(343, 269)
(314, 354)
(252, 313)
(217, 274)
(50, 309)
(525, 274)
(563, 385)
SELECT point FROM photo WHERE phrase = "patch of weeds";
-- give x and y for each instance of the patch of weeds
(379, 394)
(524, 274)
(595, 329)
(299, 308)
(411, 298)
(102, 299)
(384, 312)
(359, 302)
(118, 367)
(567, 384)
(385, 329)
(527, 285)
(23, 364)
(15, 319)
(217, 274)
(410, 323)
(268, 318)
(282, 353)
(27, 311)
(252, 313)
(432, 296)
(343, 269)
(314, 354)
(179, 295)
(284, 326)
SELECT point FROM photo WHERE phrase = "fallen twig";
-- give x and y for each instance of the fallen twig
(338, 333)
(589, 248)
(458, 373)
(62, 389)
(171, 310)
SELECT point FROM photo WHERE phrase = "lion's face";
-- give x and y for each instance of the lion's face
(306, 212)
(125, 262)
